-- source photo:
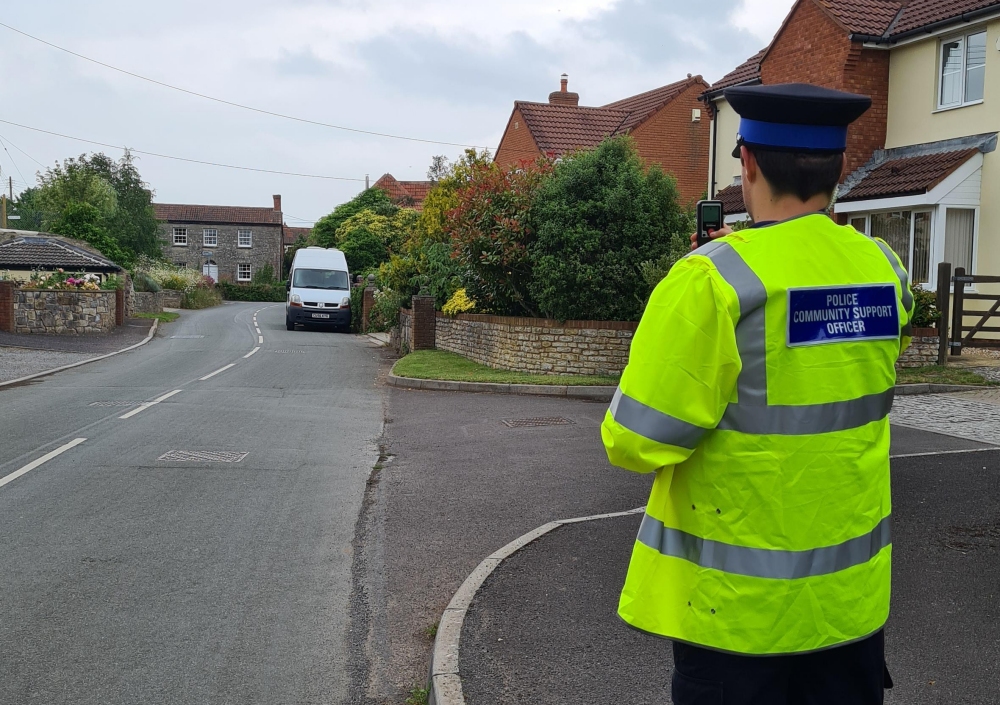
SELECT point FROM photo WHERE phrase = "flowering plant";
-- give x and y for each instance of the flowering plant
(59, 280)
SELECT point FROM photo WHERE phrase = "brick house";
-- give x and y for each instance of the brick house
(407, 194)
(290, 235)
(228, 243)
(923, 171)
(666, 124)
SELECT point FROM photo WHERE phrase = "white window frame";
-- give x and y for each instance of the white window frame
(239, 272)
(210, 232)
(180, 233)
(939, 69)
(239, 238)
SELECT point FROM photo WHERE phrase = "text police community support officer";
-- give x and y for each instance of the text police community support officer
(758, 390)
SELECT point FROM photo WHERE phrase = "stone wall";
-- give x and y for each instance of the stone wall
(171, 298)
(538, 345)
(923, 350)
(148, 302)
(401, 336)
(64, 312)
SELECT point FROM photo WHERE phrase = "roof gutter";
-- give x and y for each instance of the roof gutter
(965, 17)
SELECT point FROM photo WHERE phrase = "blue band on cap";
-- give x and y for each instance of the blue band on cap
(777, 134)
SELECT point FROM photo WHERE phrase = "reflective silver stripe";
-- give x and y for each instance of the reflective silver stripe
(763, 562)
(751, 333)
(808, 419)
(904, 278)
(653, 424)
(907, 330)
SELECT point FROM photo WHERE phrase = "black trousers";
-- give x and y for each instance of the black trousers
(854, 674)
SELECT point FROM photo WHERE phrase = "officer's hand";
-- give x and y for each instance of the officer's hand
(712, 233)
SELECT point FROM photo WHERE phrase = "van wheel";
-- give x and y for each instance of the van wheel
(288, 324)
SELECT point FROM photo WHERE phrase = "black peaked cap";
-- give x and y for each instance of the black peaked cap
(797, 104)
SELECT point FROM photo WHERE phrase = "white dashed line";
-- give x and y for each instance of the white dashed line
(221, 369)
(140, 409)
(258, 331)
(44, 459)
(250, 353)
(260, 340)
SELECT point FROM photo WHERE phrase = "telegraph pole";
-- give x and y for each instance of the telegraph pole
(3, 211)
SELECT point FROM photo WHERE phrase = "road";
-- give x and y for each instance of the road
(130, 578)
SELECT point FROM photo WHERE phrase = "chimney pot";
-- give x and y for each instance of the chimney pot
(277, 202)
(564, 83)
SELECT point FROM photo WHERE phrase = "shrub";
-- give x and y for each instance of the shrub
(201, 297)
(264, 275)
(357, 307)
(167, 276)
(925, 310)
(143, 282)
(599, 217)
(385, 310)
(252, 292)
(459, 303)
(113, 282)
(324, 232)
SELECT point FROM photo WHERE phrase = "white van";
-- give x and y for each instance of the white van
(319, 288)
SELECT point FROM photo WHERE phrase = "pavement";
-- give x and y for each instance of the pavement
(456, 483)
(22, 355)
(145, 558)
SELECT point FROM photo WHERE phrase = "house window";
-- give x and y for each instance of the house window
(860, 223)
(959, 230)
(244, 238)
(962, 75)
(909, 235)
(210, 237)
(243, 272)
(180, 237)
(182, 265)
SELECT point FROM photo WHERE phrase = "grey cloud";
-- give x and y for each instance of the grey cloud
(302, 63)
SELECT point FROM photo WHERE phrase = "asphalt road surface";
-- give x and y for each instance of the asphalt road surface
(128, 577)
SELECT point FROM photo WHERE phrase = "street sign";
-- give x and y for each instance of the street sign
(206, 253)
(13, 217)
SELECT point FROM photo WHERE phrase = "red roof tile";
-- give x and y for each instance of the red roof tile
(179, 213)
(291, 235)
(732, 199)
(908, 176)
(863, 16)
(920, 13)
(563, 128)
(409, 194)
(642, 105)
(749, 70)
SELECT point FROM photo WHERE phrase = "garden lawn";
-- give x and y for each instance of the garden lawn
(438, 364)
(164, 317)
(940, 375)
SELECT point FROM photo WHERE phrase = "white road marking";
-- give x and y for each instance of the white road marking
(942, 452)
(260, 340)
(258, 331)
(44, 459)
(250, 353)
(140, 409)
(221, 369)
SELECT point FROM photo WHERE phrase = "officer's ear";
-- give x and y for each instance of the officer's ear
(843, 168)
(749, 163)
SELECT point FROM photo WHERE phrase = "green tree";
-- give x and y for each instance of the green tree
(324, 232)
(599, 218)
(82, 221)
(368, 238)
(27, 206)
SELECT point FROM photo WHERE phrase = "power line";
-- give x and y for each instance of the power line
(304, 220)
(181, 159)
(23, 152)
(231, 103)
(3, 144)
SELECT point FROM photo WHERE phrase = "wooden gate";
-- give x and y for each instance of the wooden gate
(962, 334)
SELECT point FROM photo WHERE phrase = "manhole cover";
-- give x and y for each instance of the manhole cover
(115, 403)
(185, 337)
(289, 352)
(968, 538)
(539, 421)
(203, 456)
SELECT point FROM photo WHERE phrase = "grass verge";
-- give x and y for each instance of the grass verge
(438, 364)
(940, 375)
(164, 317)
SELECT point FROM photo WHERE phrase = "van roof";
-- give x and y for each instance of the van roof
(321, 258)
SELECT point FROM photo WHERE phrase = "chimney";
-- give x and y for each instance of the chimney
(277, 202)
(563, 96)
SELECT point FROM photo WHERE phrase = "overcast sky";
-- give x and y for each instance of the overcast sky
(446, 70)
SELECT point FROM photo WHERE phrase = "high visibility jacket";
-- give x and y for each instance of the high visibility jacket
(758, 390)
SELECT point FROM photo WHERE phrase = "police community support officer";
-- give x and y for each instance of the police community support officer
(758, 390)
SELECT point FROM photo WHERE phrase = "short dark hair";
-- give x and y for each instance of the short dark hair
(800, 174)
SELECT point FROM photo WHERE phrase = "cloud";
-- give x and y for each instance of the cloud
(761, 18)
(303, 62)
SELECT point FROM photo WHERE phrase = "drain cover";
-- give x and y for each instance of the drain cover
(289, 352)
(185, 337)
(539, 421)
(203, 456)
(115, 403)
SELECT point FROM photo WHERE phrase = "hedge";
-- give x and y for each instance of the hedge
(252, 292)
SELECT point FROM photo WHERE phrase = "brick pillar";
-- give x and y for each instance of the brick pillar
(7, 307)
(119, 307)
(366, 307)
(424, 323)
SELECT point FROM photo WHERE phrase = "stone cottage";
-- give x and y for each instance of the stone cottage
(227, 243)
